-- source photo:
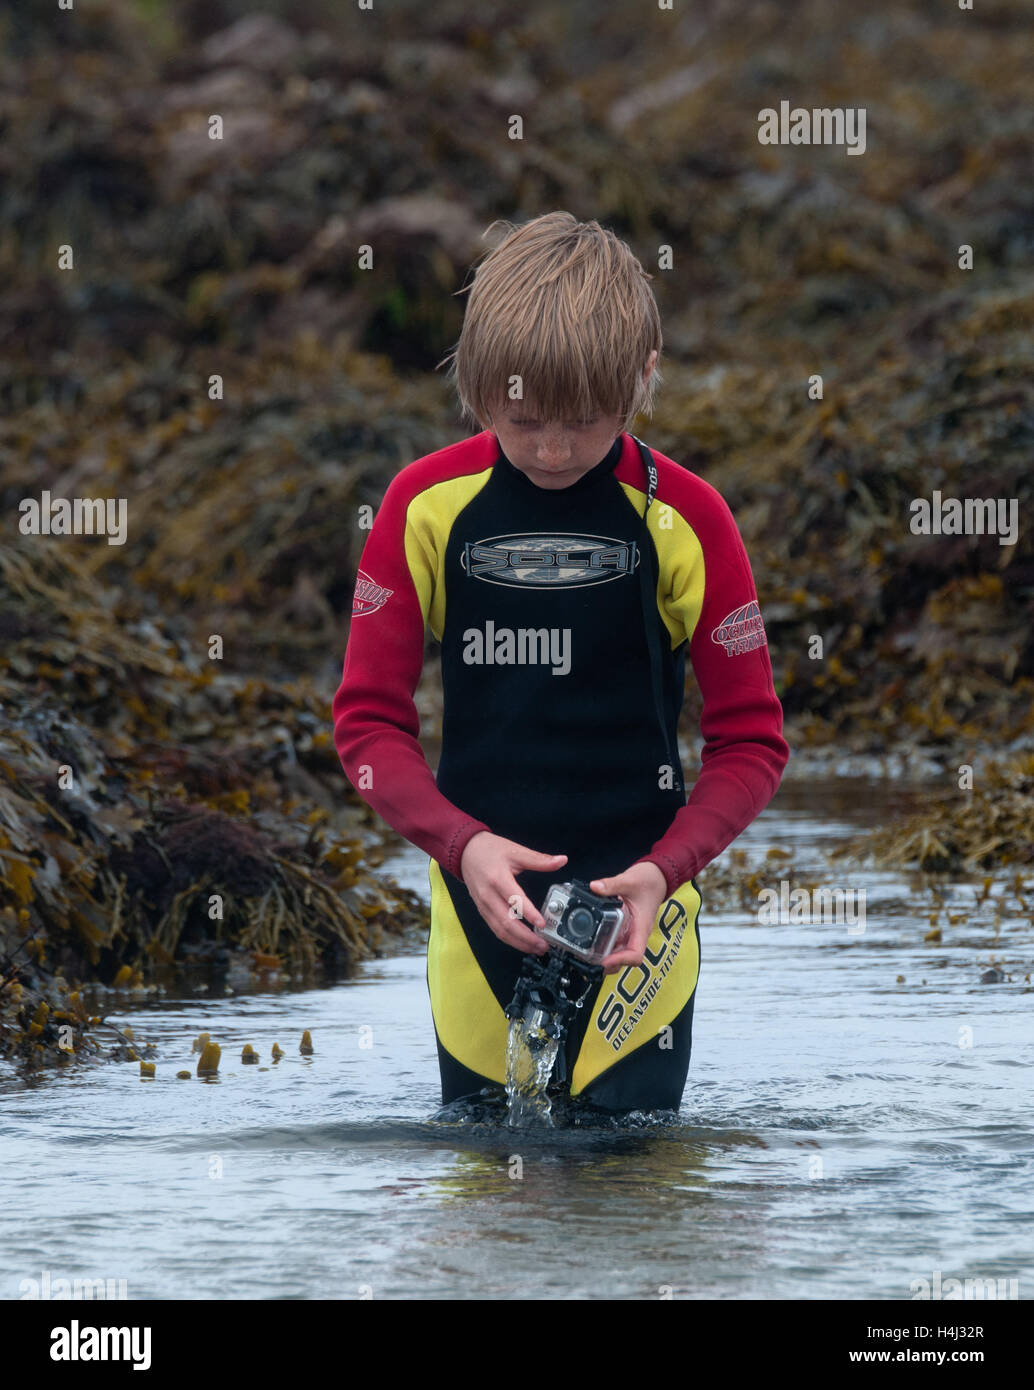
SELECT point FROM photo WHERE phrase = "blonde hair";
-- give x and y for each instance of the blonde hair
(567, 307)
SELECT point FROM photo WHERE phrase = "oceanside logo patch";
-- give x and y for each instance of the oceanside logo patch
(741, 631)
(368, 596)
(538, 560)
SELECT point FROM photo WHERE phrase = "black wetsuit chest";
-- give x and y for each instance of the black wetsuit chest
(549, 731)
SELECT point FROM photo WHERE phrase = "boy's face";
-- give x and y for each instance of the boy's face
(555, 453)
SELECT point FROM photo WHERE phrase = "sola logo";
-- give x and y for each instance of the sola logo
(369, 596)
(541, 560)
(742, 630)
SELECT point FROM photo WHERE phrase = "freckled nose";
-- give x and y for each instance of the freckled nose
(556, 450)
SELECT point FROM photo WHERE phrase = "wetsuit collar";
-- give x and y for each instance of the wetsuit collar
(588, 480)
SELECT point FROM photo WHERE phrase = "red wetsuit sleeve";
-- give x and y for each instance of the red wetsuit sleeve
(375, 720)
(744, 751)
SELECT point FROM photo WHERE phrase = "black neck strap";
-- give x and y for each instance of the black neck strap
(651, 620)
(651, 473)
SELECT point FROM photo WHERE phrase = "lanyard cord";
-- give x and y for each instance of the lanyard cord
(648, 594)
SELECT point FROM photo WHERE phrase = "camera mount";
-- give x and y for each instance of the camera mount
(549, 990)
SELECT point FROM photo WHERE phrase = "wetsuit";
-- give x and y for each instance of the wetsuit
(552, 726)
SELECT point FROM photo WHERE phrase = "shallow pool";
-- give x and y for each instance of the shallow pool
(842, 1134)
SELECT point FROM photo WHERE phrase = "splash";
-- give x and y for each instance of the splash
(530, 1055)
(548, 994)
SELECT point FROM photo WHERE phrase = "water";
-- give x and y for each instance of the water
(530, 1055)
(842, 1135)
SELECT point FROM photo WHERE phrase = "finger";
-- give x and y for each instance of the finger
(617, 960)
(523, 857)
(630, 952)
(528, 942)
(509, 926)
(519, 905)
(523, 939)
(495, 919)
(511, 934)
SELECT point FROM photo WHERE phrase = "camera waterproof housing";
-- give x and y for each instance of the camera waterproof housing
(581, 922)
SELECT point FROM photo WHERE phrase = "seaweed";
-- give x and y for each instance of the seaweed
(217, 360)
(987, 827)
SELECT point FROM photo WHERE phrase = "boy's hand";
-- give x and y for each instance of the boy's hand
(487, 867)
(642, 889)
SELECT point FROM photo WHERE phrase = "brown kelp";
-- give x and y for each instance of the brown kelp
(142, 831)
(989, 826)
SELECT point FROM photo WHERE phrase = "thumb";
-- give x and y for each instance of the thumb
(605, 887)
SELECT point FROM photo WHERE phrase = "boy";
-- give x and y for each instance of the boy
(564, 621)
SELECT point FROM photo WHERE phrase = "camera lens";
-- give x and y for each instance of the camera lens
(580, 926)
